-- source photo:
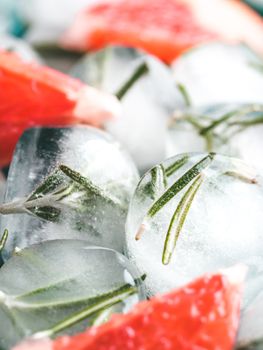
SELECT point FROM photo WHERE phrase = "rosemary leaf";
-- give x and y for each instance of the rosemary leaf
(178, 219)
(176, 165)
(50, 184)
(158, 181)
(180, 184)
(47, 213)
(235, 113)
(102, 303)
(249, 122)
(217, 122)
(86, 183)
(139, 71)
(102, 317)
(185, 94)
(3, 240)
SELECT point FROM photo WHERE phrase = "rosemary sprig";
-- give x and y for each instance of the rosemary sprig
(99, 305)
(178, 219)
(172, 191)
(139, 72)
(3, 240)
(182, 89)
(235, 113)
(45, 201)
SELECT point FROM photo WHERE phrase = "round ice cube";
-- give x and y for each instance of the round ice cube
(73, 182)
(146, 105)
(234, 130)
(220, 73)
(195, 213)
(46, 284)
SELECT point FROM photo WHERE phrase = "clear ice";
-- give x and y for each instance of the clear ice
(146, 106)
(196, 213)
(80, 213)
(220, 73)
(230, 129)
(46, 283)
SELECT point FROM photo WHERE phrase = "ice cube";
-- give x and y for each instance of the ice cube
(196, 213)
(220, 73)
(45, 284)
(146, 105)
(20, 47)
(230, 129)
(95, 211)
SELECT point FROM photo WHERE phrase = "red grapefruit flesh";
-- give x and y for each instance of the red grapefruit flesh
(164, 28)
(32, 95)
(203, 315)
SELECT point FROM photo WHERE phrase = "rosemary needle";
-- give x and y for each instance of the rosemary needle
(178, 219)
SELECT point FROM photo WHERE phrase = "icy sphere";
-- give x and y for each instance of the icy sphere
(46, 284)
(73, 182)
(20, 47)
(220, 73)
(148, 95)
(196, 213)
(234, 130)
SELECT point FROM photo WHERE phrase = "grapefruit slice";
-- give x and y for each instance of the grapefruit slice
(164, 28)
(203, 315)
(31, 95)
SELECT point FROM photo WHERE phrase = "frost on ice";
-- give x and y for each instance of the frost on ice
(84, 181)
(52, 282)
(196, 213)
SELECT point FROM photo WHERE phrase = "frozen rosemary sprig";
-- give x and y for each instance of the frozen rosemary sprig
(137, 74)
(173, 190)
(178, 219)
(46, 201)
(237, 113)
(98, 305)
